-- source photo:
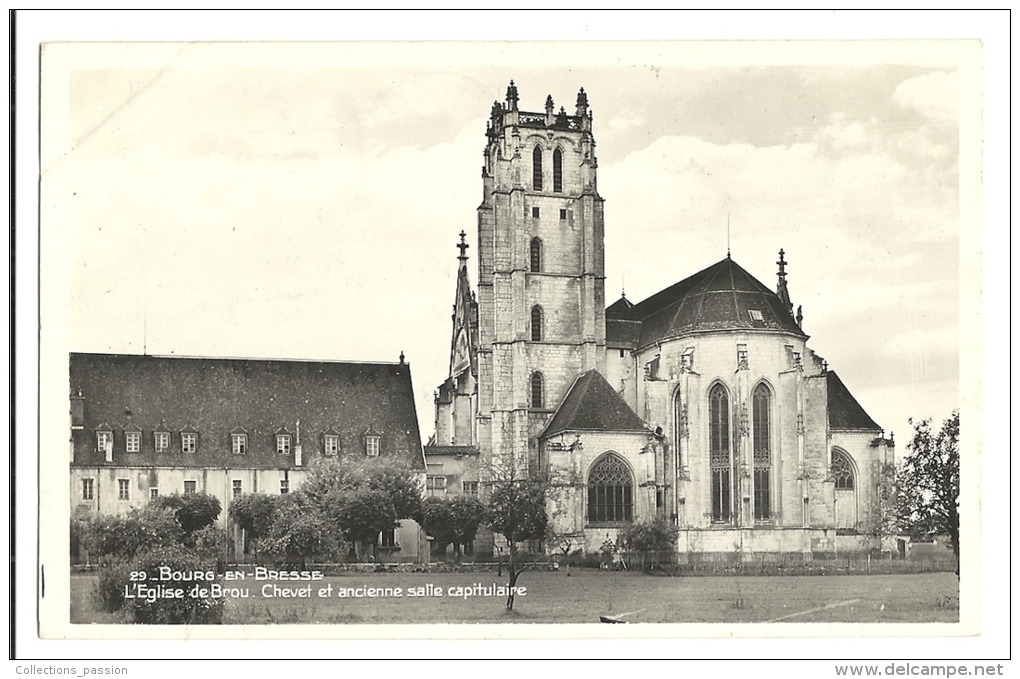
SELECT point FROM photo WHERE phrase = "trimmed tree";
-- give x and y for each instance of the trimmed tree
(364, 497)
(194, 511)
(300, 531)
(254, 513)
(452, 520)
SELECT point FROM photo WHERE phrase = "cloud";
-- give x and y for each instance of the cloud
(624, 120)
(871, 242)
(934, 95)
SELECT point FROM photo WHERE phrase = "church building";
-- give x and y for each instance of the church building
(702, 405)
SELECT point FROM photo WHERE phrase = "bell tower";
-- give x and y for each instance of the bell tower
(541, 271)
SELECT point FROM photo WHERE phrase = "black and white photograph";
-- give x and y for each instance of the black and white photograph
(479, 340)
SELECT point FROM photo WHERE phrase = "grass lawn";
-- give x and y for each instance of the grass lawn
(553, 597)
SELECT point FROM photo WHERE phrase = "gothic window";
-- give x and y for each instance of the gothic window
(536, 323)
(558, 171)
(762, 430)
(536, 254)
(610, 491)
(720, 460)
(846, 494)
(536, 169)
(842, 471)
(537, 391)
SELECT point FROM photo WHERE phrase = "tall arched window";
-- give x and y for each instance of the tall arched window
(761, 407)
(720, 460)
(846, 493)
(610, 491)
(558, 171)
(536, 254)
(537, 391)
(536, 323)
(536, 169)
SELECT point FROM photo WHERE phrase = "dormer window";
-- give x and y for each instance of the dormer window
(161, 440)
(239, 442)
(133, 440)
(331, 442)
(283, 444)
(189, 441)
(755, 315)
(104, 441)
(372, 439)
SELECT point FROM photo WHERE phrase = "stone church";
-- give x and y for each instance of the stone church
(702, 405)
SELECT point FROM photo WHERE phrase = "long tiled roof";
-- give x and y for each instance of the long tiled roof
(433, 449)
(844, 410)
(215, 396)
(593, 405)
(722, 297)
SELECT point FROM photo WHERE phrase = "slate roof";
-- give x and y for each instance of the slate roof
(619, 307)
(720, 297)
(621, 333)
(593, 405)
(455, 451)
(844, 410)
(214, 396)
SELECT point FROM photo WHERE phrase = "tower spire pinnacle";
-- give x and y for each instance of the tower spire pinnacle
(462, 246)
(781, 289)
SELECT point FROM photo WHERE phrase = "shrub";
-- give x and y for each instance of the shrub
(183, 611)
(651, 540)
(208, 545)
(108, 539)
(109, 592)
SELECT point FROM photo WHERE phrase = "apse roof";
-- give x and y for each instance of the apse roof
(722, 297)
(592, 404)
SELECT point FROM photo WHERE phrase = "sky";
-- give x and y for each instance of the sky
(309, 206)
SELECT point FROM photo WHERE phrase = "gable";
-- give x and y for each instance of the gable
(593, 405)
